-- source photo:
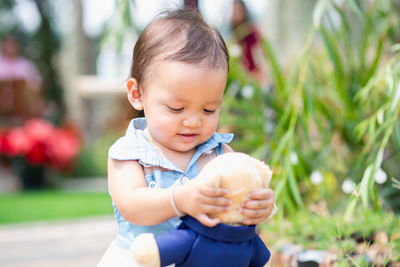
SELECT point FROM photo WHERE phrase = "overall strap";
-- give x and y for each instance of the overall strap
(219, 149)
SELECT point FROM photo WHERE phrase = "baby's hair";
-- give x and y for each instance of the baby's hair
(179, 35)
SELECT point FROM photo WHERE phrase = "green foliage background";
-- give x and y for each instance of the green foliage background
(334, 110)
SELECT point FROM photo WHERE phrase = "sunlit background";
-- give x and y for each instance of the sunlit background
(313, 91)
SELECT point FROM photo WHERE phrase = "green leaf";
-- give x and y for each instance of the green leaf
(375, 63)
(364, 188)
(377, 165)
(356, 8)
(338, 65)
(282, 145)
(351, 208)
(318, 12)
(396, 138)
(126, 13)
(280, 188)
(396, 98)
(273, 61)
(294, 188)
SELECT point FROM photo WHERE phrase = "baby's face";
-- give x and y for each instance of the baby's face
(182, 104)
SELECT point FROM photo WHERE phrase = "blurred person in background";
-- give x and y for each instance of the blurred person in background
(247, 36)
(191, 3)
(13, 66)
(20, 84)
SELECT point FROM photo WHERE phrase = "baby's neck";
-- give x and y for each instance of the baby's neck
(180, 159)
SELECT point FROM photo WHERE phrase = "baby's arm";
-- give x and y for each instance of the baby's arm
(149, 206)
(136, 202)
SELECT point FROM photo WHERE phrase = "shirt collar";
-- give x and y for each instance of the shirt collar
(151, 156)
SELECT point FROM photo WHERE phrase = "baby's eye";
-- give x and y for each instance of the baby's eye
(175, 109)
(209, 111)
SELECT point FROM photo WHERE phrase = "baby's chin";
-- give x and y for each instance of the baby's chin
(181, 148)
(186, 147)
(184, 150)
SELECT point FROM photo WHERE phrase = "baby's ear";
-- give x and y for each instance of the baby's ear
(134, 94)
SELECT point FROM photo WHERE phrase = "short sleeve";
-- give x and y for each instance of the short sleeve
(123, 149)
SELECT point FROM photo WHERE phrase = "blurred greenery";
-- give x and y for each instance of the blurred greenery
(332, 112)
(300, 228)
(121, 23)
(336, 235)
(52, 205)
(92, 159)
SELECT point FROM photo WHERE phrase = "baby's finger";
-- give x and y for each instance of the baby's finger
(218, 201)
(206, 208)
(258, 204)
(255, 213)
(213, 191)
(265, 193)
(207, 221)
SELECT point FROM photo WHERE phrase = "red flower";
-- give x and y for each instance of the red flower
(39, 130)
(15, 142)
(3, 133)
(63, 147)
(41, 143)
(38, 154)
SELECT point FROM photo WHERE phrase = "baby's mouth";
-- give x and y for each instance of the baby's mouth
(188, 137)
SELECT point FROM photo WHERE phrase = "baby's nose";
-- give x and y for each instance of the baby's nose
(193, 121)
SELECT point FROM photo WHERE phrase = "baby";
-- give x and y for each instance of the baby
(178, 77)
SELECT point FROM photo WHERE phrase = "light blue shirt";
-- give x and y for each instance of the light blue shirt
(135, 146)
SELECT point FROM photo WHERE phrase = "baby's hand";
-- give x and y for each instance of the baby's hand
(198, 200)
(259, 206)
